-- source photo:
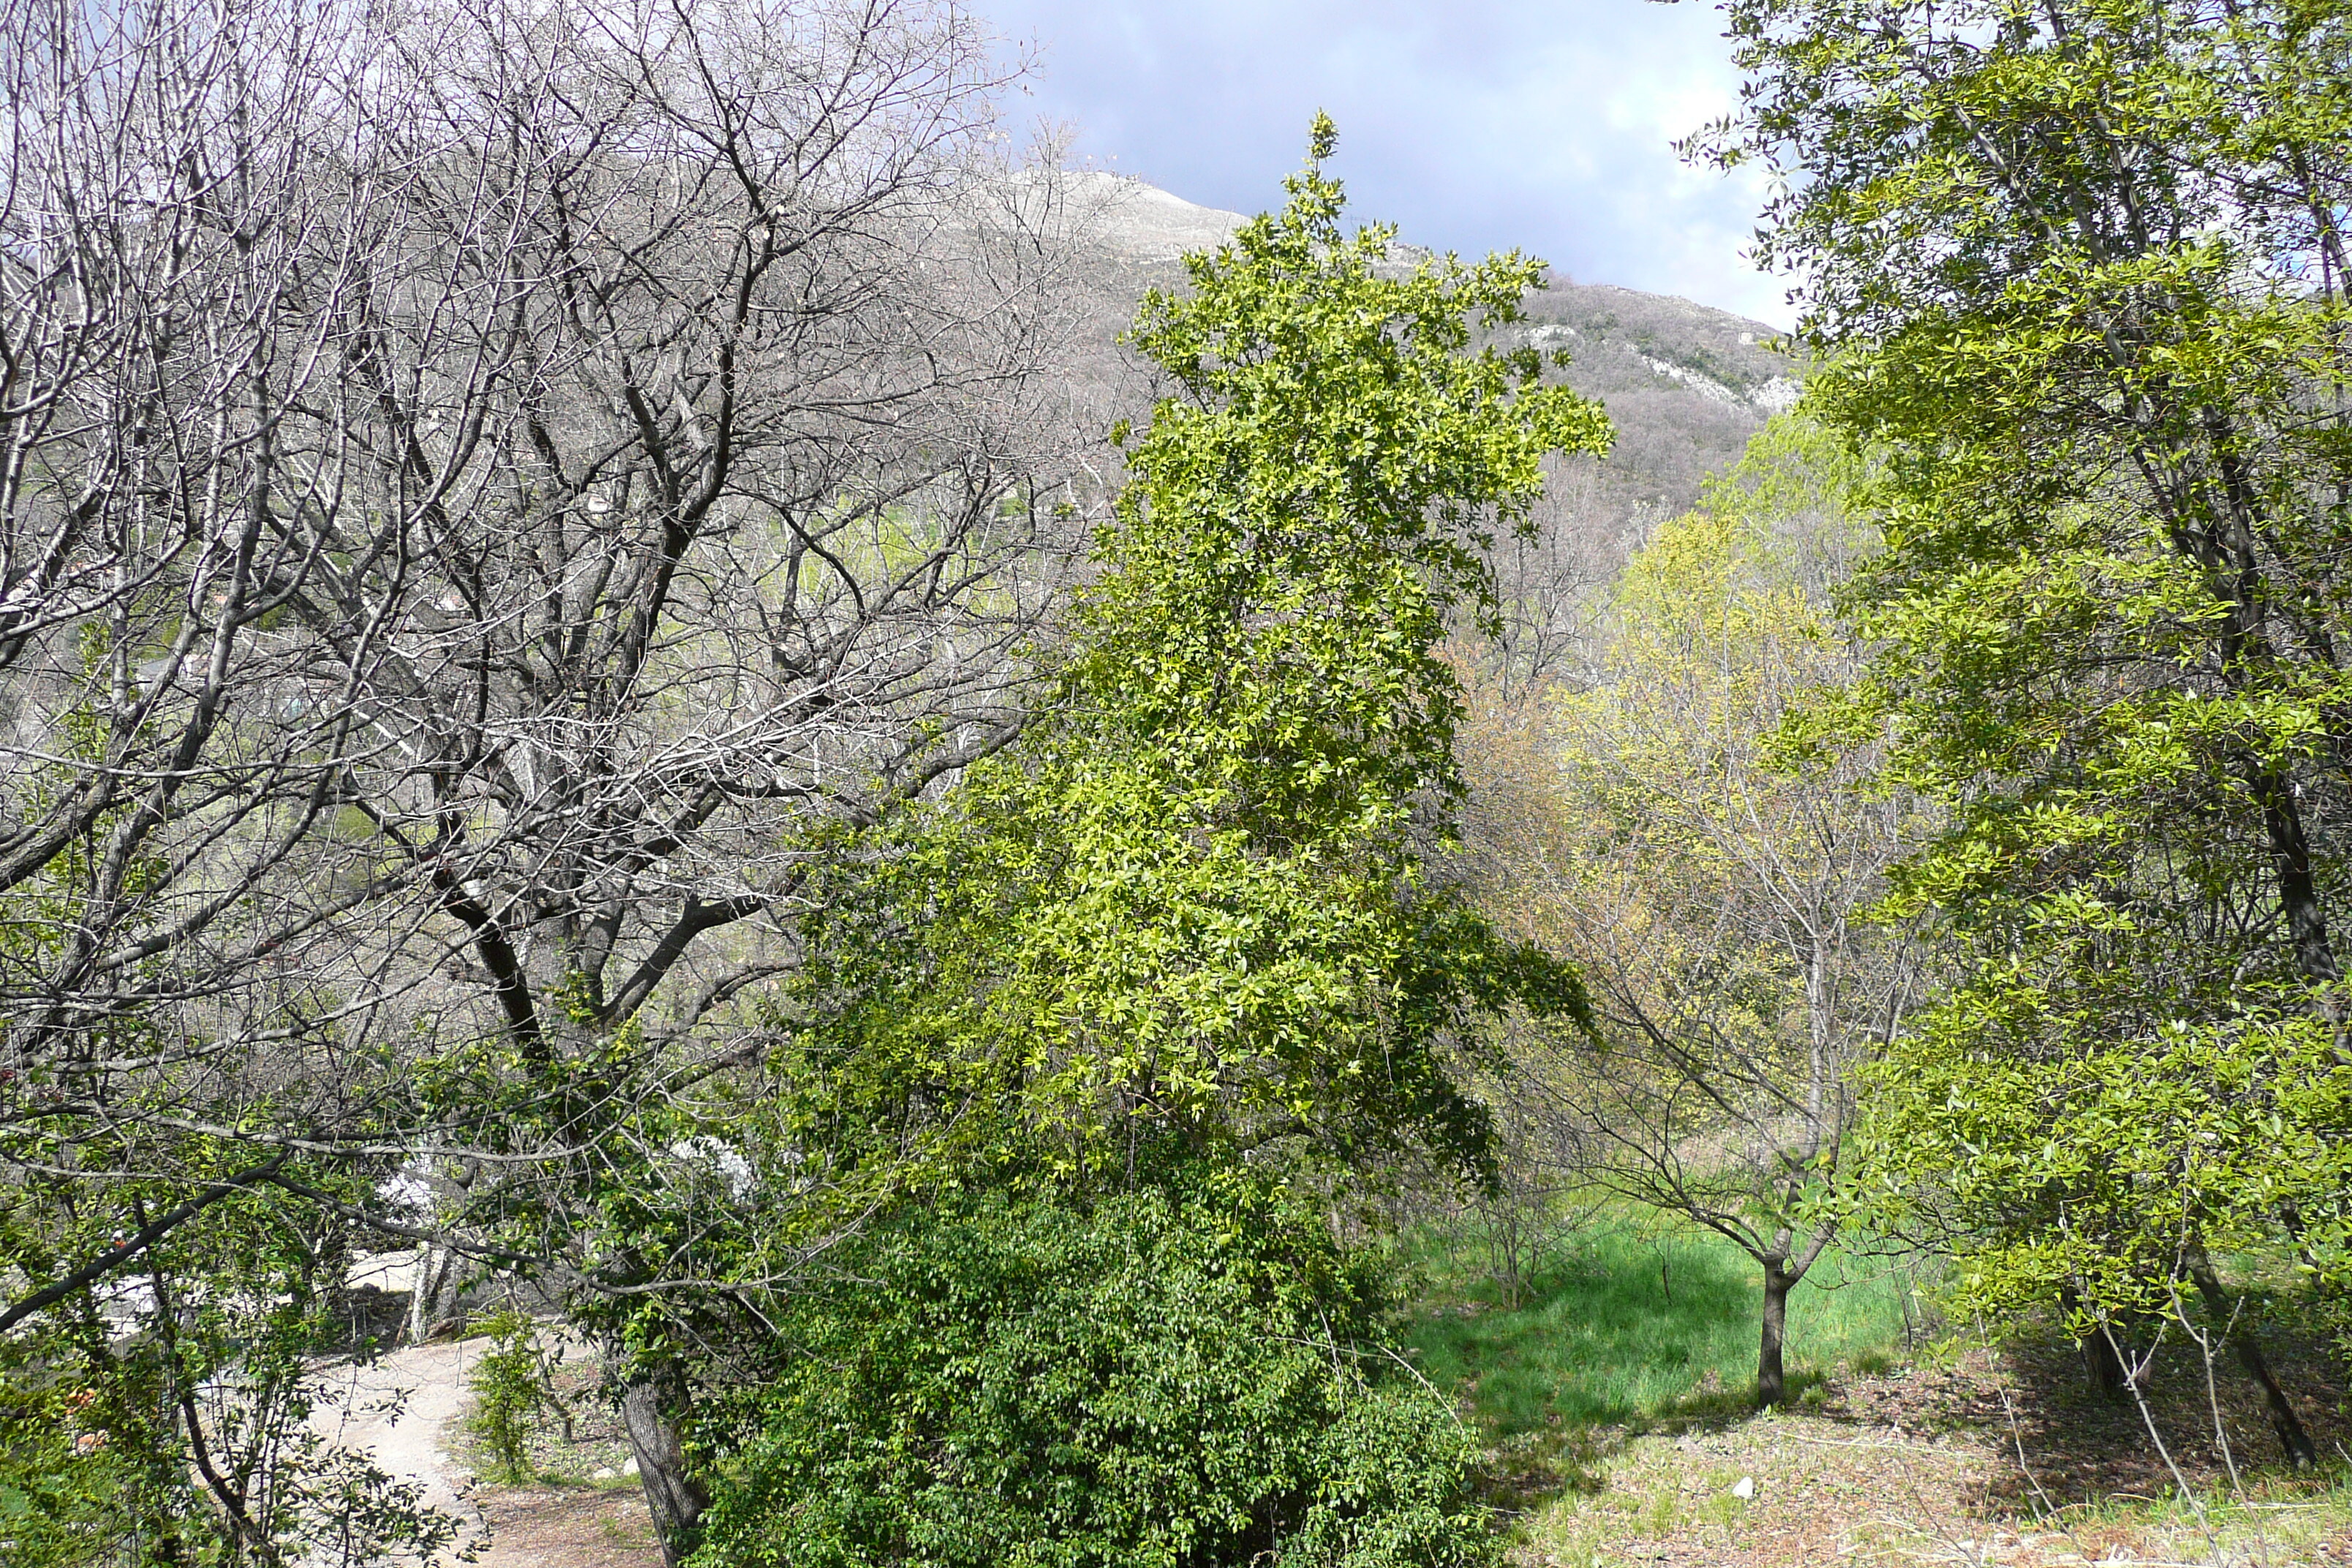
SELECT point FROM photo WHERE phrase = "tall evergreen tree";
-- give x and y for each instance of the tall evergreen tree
(1108, 1027)
(1191, 903)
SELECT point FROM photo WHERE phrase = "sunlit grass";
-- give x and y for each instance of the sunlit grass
(1619, 1324)
(1614, 1381)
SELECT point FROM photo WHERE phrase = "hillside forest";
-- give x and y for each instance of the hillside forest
(1000, 897)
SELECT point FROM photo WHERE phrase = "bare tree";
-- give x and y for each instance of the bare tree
(1714, 894)
(484, 489)
(1553, 582)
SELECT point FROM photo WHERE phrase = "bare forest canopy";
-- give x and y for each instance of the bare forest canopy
(481, 490)
(510, 517)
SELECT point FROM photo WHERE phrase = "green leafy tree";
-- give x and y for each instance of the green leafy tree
(1191, 904)
(1103, 1028)
(513, 1384)
(2083, 270)
(1716, 890)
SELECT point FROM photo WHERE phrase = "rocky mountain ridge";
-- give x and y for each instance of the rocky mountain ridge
(1685, 384)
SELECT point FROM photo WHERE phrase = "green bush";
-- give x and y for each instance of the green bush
(513, 1382)
(1182, 1376)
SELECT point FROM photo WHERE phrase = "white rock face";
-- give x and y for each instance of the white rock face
(722, 1157)
(1144, 222)
(1707, 387)
(1776, 396)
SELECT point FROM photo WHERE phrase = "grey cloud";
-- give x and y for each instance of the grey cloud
(1477, 125)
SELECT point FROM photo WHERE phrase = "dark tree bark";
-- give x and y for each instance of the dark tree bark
(2292, 1436)
(2104, 1356)
(1771, 1379)
(651, 1401)
(2111, 1369)
(1783, 1272)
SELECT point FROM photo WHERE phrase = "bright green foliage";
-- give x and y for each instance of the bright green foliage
(69, 1495)
(2096, 1169)
(512, 1381)
(1115, 1007)
(2083, 265)
(1191, 1374)
(1190, 903)
(1302, 520)
(1623, 1321)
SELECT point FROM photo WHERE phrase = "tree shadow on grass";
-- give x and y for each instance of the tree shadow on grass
(2078, 1446)
(1625, 1333)
(1617, 1334)
(2067, 1449)
(1596, 1338)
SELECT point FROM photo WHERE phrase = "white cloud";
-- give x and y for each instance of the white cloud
(1477, 125)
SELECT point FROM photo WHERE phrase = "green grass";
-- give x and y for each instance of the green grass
(1620, 1325)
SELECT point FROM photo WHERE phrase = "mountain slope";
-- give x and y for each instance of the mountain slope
(1686, 385)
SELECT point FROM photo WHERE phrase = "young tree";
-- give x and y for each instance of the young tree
(1715, 889)
(2085, 268)
(1173, 962)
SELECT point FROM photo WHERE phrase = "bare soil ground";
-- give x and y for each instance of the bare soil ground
(2011, 1458)
(579, 1510)
(567, 1526)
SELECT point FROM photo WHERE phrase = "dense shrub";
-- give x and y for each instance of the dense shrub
(1185, 1375)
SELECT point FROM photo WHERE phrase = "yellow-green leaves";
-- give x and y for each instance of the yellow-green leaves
(2080, 268)
(1190, 904)
(1303, 520)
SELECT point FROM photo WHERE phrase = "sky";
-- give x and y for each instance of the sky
(1475, 125)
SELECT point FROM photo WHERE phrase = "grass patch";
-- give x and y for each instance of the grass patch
(1612, 1379)
(1619, 1324)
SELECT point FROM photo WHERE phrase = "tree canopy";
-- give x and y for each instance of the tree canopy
(1139, 989)
(2079, 271)
(1192, 901)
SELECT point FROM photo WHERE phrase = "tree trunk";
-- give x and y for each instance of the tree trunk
(2102, 1353)
(650, 1402)
(1771, 1379)
(434, 1265)
(2300, 1453)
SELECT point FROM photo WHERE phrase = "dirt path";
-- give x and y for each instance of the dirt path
(405, 1410)
(402, 1411)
